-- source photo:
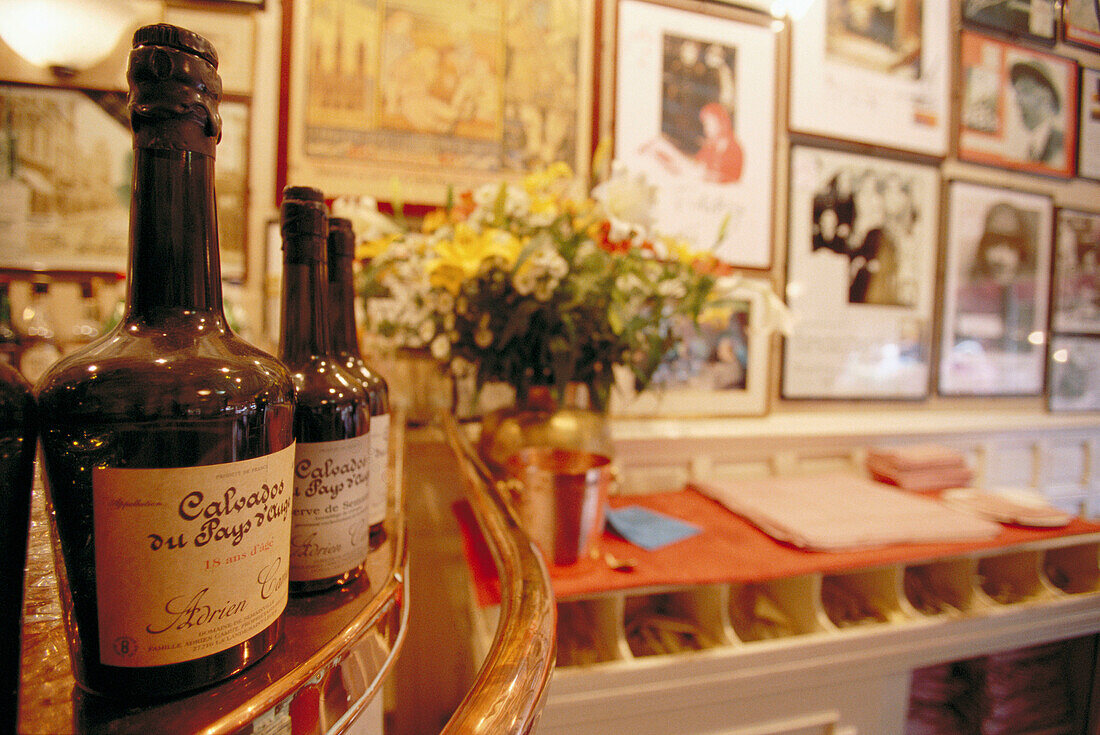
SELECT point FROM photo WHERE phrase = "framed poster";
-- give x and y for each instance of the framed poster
(231, 190)
(860, 276)
(1076, 305)
(65, 183)
(875, 73)
(718, 368)
(1088, 146)
(405, 99)
(695, 113)
(995, 291)
(1035, 19)
(1074, 373)
(1018, 107)
(1081, 22)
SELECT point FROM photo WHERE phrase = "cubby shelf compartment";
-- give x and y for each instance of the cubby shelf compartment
(690, 619)
(778, 608)
(1074, 570)
(590, 631)
(943, 587)
(1015, 577)
(865, 597)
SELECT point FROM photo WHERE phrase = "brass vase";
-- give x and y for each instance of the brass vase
(539, 420)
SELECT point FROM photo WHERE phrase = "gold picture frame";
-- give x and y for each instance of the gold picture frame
(407, 100)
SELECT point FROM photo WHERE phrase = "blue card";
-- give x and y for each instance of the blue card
(647, 528)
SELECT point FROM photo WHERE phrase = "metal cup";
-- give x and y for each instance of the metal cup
(560, 499)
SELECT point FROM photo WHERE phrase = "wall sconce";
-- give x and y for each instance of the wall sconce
(64, 36)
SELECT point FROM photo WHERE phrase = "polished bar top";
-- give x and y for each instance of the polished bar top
(335, 650)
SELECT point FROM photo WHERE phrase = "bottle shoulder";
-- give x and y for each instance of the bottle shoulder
(130, 375)
(325, 379)
(373, 383)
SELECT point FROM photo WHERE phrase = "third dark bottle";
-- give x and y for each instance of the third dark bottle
(341, 254)
(330, 528)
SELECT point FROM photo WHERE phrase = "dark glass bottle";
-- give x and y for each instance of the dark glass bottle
(9, 338)
(330, 537)
(40, 348)
(341, 257)
(168, 443)
(17, 444)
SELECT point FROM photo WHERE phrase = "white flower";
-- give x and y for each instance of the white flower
(426, 331)
(620, 230)
(441, 348)
(672, 288)
(483, 337)
(775, 316)
(541, 273)
(513, 199)
(369, 224)
(627, 197)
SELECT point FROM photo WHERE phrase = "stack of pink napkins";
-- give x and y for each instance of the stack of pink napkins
(919, 467)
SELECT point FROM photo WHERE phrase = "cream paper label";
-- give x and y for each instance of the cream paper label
(379, 467)
(190, 561)
(331, 531)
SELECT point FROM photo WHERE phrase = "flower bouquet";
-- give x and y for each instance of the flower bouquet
(540, 283)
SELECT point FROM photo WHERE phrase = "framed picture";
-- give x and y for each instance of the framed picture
(995, 292)
(406, 99)
(1088, 146)
(68, 163)
(66, 181)
(1081, 22)
(875, 73)
(719, 368)
(1018, 107)
(695, 113)
(1074, 373)
(1035, 19)
(860, 276)
(1076, 305)
(762, 6)
(231, 188)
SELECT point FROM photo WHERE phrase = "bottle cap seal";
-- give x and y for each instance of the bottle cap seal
(341, 238)
(173, 76)
(303, 220)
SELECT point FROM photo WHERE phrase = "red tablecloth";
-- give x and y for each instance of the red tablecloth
(729, 549)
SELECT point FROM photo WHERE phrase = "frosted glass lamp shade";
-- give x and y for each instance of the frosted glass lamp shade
(64, 35)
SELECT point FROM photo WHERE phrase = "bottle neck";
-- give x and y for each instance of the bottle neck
(306, 328)
(174, 262)
(342, 289)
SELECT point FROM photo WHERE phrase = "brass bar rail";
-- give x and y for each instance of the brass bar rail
(508, 695)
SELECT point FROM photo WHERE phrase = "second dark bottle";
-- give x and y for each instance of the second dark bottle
(330, 527)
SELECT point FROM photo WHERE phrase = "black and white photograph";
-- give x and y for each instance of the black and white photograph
(1019, 107)
(1031, 19)
(862, 254)
(881, 35)
(873, 71)
(1076, 304)
(995, 291)
(1074, 373)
